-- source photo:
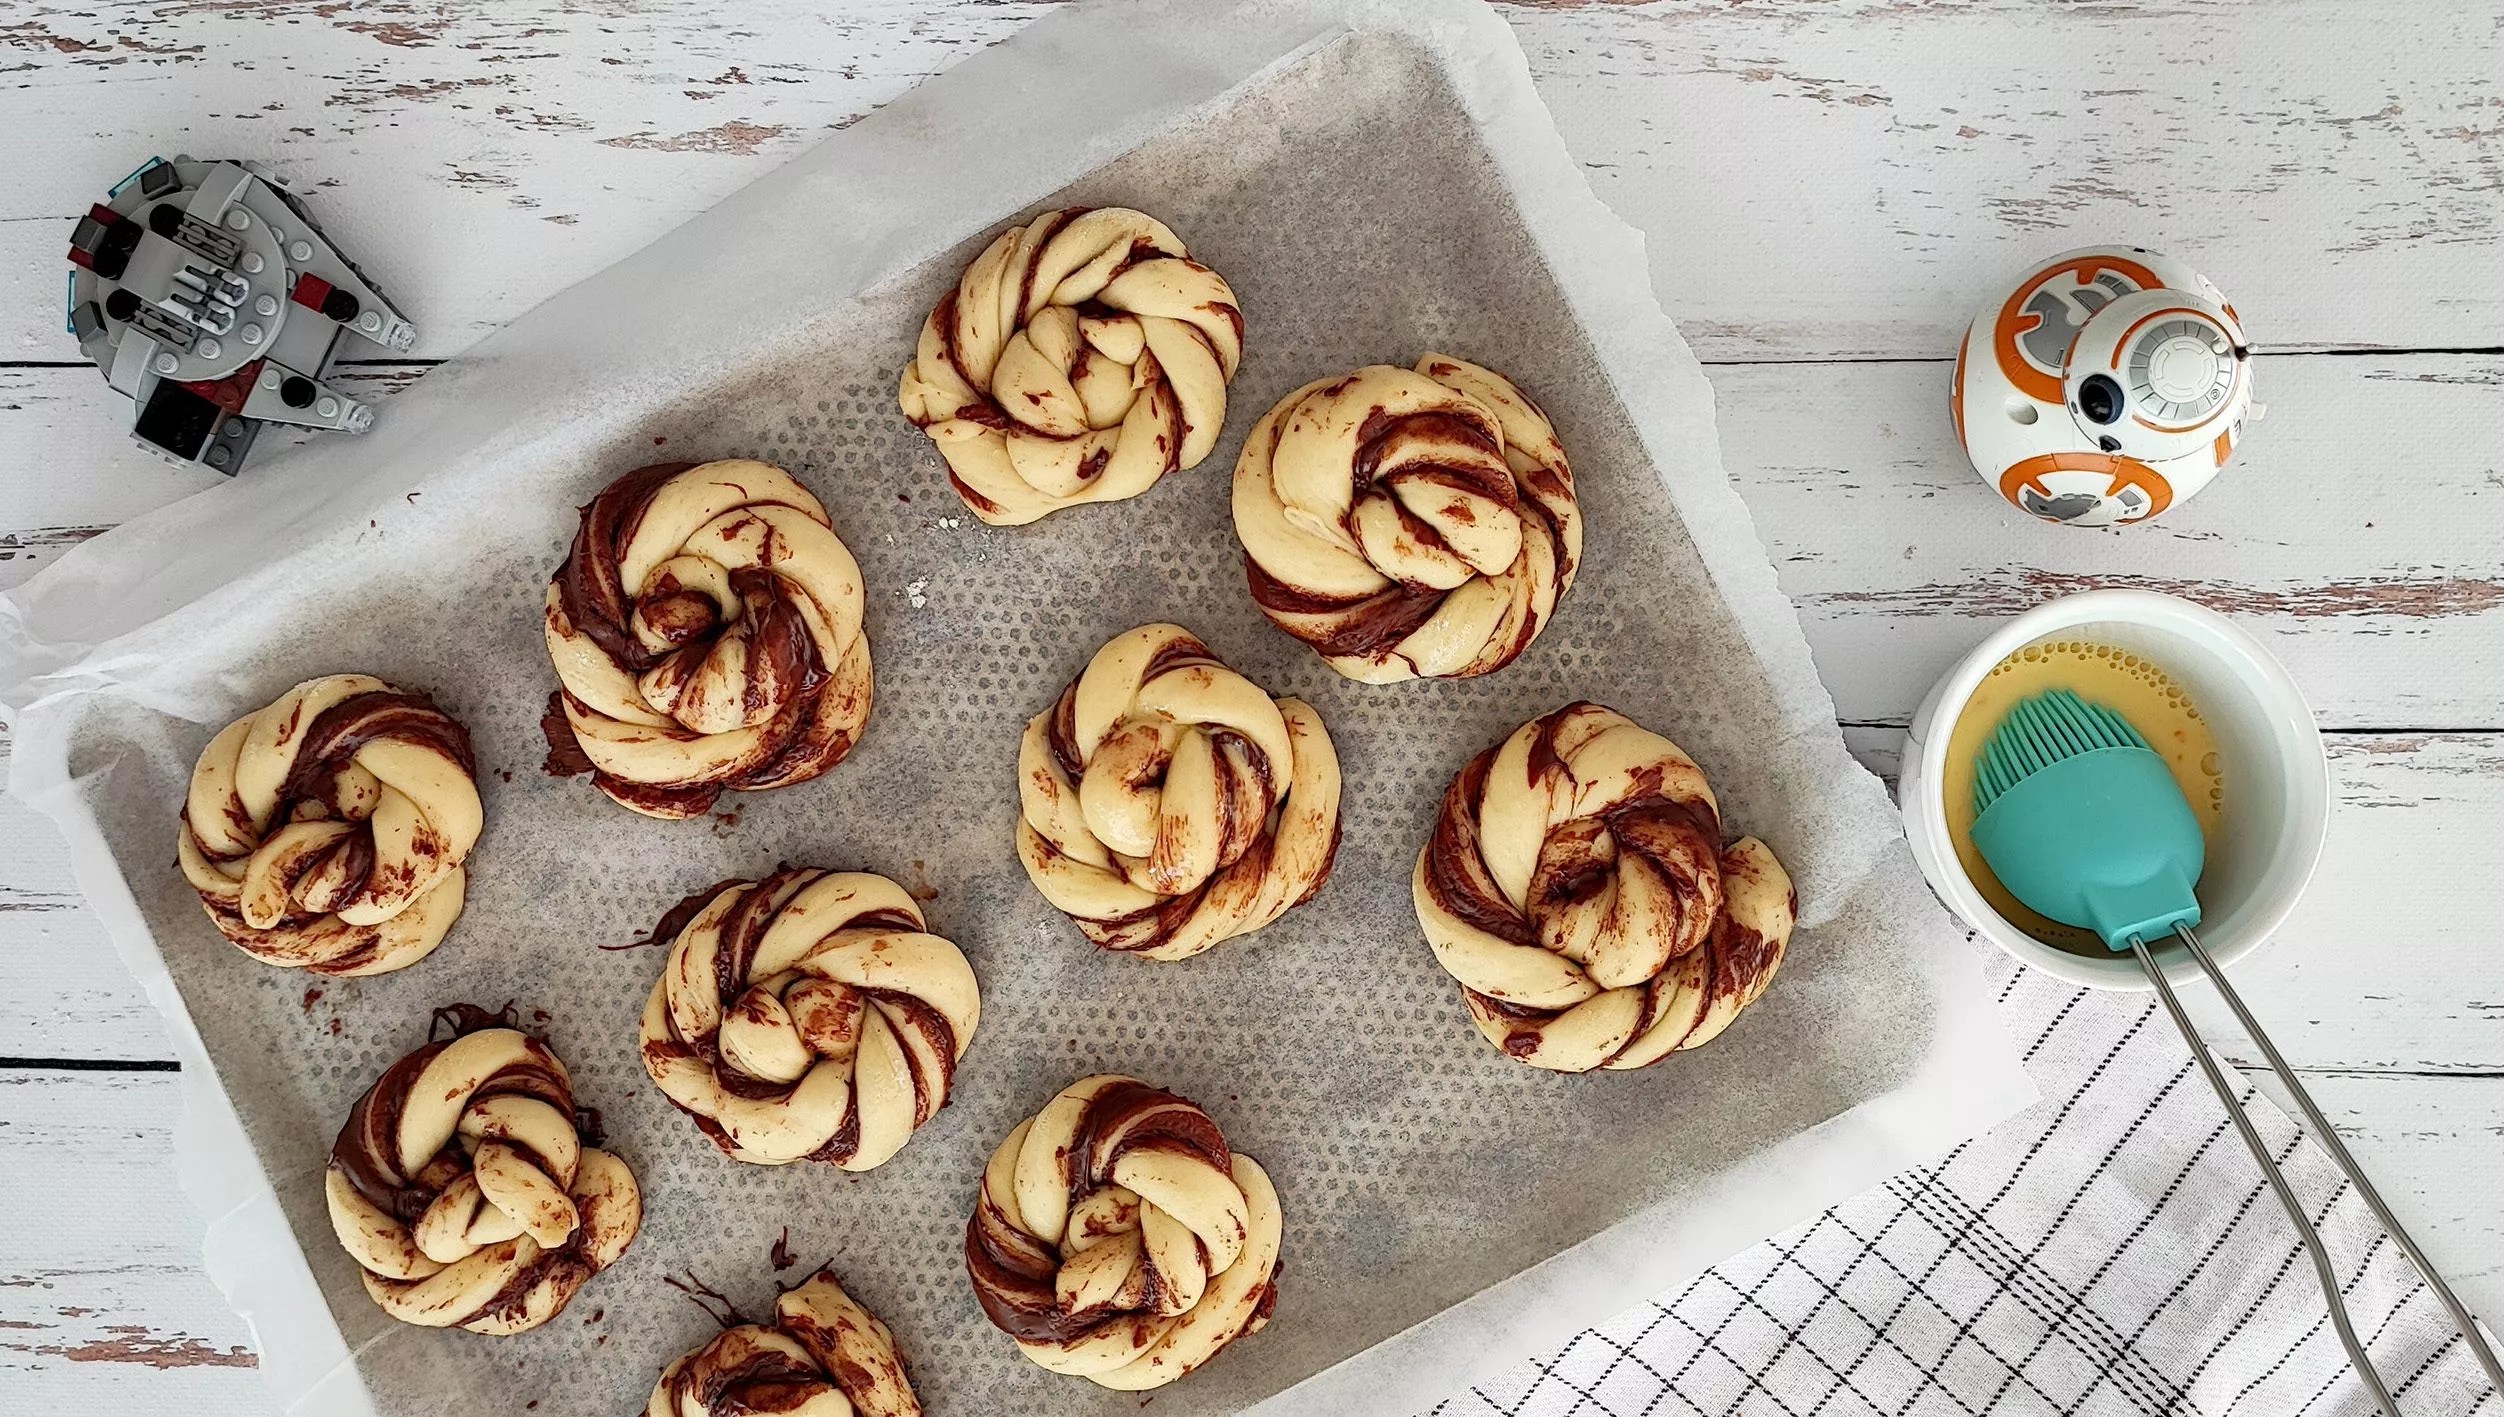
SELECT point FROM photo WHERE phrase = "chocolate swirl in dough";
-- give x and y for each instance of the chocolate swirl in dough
(1081, 357)
(823, 1355)
(1169, 804)
(808, 1016)
(462, 1187)
(328, 830)
(1119, 1240)
(1577, 887)
(706, 626)
(1408, 523)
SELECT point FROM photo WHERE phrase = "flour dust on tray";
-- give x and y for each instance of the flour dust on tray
(809, 1016)
(465, 1190)
(1577, 886)
(1170, 804)
(1118, 1238)
(327, 831)
(706, 630)
(1080, 358)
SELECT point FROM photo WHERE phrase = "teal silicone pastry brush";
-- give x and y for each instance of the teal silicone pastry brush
(2081, 820)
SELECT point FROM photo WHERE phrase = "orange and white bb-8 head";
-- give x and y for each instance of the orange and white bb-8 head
(2111, 384)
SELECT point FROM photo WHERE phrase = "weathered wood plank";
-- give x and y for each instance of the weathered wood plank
(1852, 178)
(1818, 178)
(2389, 966)
(66, 992)
(69, 467)
(474, 159)
(479, 159)
(2367, 584)
(102, 1306)
(2354, 530)
(101, 1295)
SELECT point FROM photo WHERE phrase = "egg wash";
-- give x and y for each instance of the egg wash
(2099, 673)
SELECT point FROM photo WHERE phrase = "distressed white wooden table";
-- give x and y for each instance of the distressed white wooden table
(1830, 186)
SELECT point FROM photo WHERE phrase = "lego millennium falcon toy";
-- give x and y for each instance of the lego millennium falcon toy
(207, 295)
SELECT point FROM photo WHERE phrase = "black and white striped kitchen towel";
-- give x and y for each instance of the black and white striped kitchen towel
(2111, 1251)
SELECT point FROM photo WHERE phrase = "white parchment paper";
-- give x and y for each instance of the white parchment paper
(1376, 180)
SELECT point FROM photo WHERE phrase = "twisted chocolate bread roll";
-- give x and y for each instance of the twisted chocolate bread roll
(1577, 887)
(1408, 523)
(463, 1188)
(1081, 357)
(1169, 804)
(706, 626)
(1119, 1240)
(808, 1016)
(823, 1355)
(328, 830)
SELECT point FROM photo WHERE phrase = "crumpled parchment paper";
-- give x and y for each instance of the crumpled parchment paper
(1376, 181)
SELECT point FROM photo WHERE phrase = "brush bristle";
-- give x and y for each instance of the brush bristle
(2041, 731)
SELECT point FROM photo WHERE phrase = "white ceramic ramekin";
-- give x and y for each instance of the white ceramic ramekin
(2277, 779)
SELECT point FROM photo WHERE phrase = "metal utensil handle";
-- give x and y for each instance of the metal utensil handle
(2328, 1137)
(2277, 1182)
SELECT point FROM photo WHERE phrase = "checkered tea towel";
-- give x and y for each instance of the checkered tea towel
(2113, 1250)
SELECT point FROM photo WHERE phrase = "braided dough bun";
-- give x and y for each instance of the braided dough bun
(823, 1355)
(1170, 804)
(1081, 357)
(706, 626)
(327, 831)
(462, 1186)
(1408, 523)
(1577, 887)
(1118, 1240)
(808, 1016)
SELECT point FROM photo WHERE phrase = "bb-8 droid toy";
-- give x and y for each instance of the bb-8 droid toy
(2111, 384)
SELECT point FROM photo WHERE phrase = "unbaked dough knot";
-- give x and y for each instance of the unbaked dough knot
(1168, 803)
(1408, 523)
(808, 1016)
(1577, 887)
(706, 630)
(328, 831)
(1119, 1239)
(1080, 357)
(463, 1188)
(821, 1355)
